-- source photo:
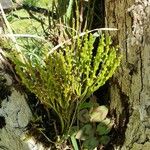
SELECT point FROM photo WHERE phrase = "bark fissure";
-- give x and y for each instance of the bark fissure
(126, 34)
(141, 73)
(132, 18)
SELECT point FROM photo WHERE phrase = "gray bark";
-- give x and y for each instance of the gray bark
(6, 4)
(130, 88)
(16, 115)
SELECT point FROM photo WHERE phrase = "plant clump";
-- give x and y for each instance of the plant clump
(64, 69)
(94, 126)
(68, 76)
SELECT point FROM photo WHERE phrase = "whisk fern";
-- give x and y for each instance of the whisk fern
(70, 74)
(65, 75)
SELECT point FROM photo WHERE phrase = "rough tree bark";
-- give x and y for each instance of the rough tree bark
(130, 88)
(15, 115)
(130, 96)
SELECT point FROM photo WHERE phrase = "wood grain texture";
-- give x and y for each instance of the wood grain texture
(130, 88)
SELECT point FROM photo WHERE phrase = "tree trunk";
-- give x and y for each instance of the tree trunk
(130, 86)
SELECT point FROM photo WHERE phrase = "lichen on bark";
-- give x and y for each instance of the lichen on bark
(14, 114)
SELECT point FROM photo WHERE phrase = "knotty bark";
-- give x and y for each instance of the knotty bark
(130, 86)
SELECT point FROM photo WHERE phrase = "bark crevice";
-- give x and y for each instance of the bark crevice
(132, 18)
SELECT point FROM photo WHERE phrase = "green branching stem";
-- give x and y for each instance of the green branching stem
(63, 76)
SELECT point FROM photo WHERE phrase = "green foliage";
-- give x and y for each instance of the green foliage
(90, 143)
(39, 3)
(64, 70)
(96, 129)
(69, 75)
(30, 2)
